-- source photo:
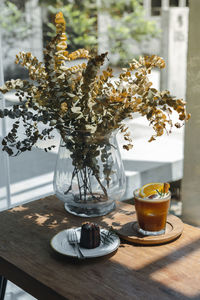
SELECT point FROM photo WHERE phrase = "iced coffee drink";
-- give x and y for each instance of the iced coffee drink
(152, 203)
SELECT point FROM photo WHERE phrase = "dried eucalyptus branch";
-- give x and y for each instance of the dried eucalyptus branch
(81, 99)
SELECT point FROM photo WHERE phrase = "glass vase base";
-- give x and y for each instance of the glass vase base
(87, 210)
(149, 233)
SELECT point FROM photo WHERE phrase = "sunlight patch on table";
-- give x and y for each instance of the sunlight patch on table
(175, 278)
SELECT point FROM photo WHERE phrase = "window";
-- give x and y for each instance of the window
(155, 7)
(174, 3)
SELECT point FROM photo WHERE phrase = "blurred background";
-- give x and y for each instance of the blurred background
(124, 28)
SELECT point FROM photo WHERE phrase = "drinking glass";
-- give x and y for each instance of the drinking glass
(152, 213)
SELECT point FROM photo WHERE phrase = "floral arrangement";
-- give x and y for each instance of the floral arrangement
(83, 99)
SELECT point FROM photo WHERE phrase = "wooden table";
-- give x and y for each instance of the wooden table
(170, 271)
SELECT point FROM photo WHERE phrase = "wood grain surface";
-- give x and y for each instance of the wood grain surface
(169, 271)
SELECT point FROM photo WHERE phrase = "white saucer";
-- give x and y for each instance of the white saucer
(61, 245)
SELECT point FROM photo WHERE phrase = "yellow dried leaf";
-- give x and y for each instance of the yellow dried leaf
(128, 147)
(151, 139)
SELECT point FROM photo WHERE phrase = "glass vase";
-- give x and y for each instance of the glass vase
(89, 175)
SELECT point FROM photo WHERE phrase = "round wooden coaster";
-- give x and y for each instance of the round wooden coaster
(129, 232)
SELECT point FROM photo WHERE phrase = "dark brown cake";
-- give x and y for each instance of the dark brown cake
(90, 236)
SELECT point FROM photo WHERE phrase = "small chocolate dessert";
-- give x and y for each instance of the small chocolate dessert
(90, 236)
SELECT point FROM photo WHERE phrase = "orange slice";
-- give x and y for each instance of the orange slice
(153, 189)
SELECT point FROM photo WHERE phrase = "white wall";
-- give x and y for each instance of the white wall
(191, 179)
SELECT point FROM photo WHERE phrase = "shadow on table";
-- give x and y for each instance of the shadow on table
(42, 219)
